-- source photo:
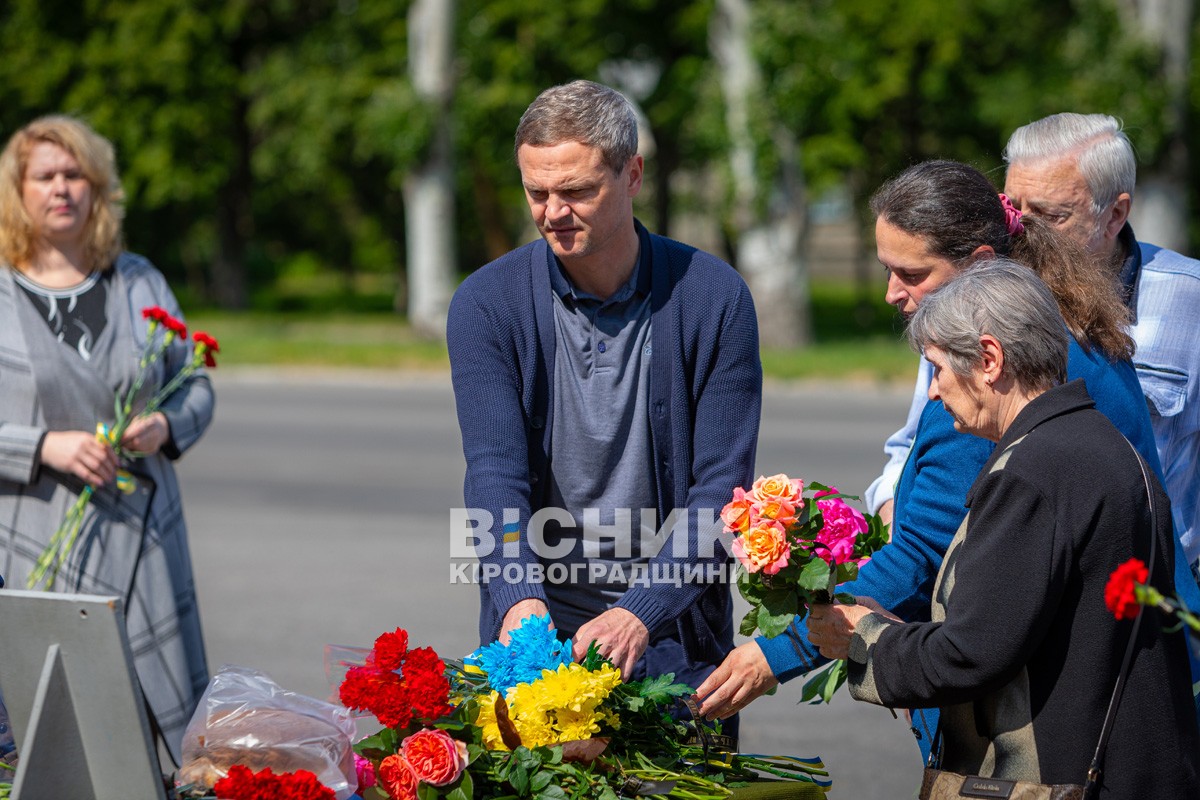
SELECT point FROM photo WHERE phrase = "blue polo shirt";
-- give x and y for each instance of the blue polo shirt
(601, 453)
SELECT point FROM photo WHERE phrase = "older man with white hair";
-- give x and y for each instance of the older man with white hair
(1078, 171)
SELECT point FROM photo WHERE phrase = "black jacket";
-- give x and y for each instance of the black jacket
(1023, 654)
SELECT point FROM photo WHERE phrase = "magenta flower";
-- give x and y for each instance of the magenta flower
(842, 526)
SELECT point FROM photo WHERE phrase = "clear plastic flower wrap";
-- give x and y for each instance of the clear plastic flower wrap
(246, 718)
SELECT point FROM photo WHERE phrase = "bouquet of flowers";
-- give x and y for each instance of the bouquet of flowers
(162, 330)
(522, 720)
(794, 551)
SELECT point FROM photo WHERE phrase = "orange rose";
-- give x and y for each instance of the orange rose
(736, 514)
(397, 778)
(436, 758)
(778, 487)
(776, 509)
(763, 548)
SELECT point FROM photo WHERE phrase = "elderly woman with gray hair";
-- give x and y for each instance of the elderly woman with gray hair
(1021, 654)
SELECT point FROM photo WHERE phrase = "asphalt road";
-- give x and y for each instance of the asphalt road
(318, 509)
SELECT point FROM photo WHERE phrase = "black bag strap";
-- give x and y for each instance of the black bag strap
(1095, 773)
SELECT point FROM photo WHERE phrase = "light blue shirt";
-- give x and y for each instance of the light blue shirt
(1163, 290)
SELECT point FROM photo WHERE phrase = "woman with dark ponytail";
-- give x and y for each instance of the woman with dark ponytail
(957, 213)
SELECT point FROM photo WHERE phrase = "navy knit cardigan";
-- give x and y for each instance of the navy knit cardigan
(705, 402)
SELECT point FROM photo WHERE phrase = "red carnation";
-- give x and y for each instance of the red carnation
(155, 313)
(242, 784)
(208, 345)
(381, 692)
(397, 684)
(390, 649)
(1119, 594)
(175, 326)
(425, 674)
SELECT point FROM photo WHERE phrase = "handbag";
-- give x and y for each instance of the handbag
(939, 784)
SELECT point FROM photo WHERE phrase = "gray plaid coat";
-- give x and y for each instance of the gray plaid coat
(133, 546)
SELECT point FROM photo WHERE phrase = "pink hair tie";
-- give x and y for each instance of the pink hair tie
(1012, 216)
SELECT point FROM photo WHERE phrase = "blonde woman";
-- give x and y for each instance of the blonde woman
(71, 331)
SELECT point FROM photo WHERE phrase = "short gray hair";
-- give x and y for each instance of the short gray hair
(1104, 154)
(1007, 300)
(585, 112)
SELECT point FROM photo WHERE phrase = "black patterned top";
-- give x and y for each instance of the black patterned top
(76, 315)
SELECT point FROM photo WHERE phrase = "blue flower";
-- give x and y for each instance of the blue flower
(531, 648)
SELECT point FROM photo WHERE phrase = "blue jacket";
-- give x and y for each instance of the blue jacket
(705, 401)
(930, 504)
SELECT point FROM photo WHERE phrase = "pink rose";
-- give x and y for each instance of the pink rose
(398, 778)
(842, 525)
(436, 758)
(365, 773)
(778, 487)
(763, 548)
(736, 513)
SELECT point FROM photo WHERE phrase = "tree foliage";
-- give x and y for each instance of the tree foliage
(263, 141)
(872, 86)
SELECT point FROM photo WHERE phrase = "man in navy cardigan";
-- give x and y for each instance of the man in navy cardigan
(598, 372)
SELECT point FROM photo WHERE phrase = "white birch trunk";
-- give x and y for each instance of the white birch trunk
(771, 220)
(429, 188)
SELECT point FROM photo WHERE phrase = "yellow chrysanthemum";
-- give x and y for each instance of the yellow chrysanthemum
(536, 730)
(563, 705)
(574, 725)
(486, 720)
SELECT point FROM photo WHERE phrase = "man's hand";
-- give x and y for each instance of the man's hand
(743, 677)
(519, 612)
(147, 434)
(78, 453)
(832, 626)
(620, 635)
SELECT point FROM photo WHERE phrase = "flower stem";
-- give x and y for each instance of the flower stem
(55, 556)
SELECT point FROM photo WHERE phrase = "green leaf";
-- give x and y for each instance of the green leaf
(554, 792)
(751, 587)
(824, 683)
(749, 623)
(662, 689)
(815, 575)
(531, 759)
(772, 625)
(518, 778)
(874, 539)
(381, 744)
(845, 598)
(592, 661)
(837, 676)
(540, 780)
(427, 792)
(846, 571)
(466, 788)
(781, 601)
